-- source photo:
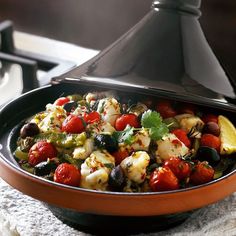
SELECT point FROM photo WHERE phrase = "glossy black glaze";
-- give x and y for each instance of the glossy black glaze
(167, 51)
(117, 225)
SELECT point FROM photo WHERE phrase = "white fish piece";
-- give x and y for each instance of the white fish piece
(101, 127)
(135, 166)
(170, 146)
(109, 108)
(53, 120)
(141, 141)
(190, 123)
(91, 97)
(95, 170)
(83, 152)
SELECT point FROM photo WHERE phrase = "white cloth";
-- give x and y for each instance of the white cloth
(27, 216)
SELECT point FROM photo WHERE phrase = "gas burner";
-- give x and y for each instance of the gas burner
(34, 61)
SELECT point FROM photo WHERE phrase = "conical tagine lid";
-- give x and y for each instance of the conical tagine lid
(165, 51)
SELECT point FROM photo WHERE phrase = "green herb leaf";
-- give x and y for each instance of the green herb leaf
(156, 133)
(153, 121)
(125, 136)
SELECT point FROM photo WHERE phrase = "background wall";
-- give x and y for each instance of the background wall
(97, 23)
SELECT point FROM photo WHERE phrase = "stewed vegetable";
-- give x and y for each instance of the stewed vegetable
(102, 142)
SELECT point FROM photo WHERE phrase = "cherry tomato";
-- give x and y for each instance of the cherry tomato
(182, 136)
(201, 173)
(210, 140)
(120, 155)
(210, 118)
(163, 179)
(61, 101)
(165, 109)
(67, 174)
(73, 124)
(40, 152)
(179, 167)
(92, 117)
(126, 119)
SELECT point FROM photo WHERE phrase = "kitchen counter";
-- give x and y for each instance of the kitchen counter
(25, 216)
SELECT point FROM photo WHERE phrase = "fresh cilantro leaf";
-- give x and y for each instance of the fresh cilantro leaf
(125, 136)
(153, 121)
(156, 133)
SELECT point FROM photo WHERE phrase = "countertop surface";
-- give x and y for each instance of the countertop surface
(25, 216)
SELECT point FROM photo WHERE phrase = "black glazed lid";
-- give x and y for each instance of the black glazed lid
(165, 52)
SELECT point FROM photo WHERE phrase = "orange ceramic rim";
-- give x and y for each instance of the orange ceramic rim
(114, 203)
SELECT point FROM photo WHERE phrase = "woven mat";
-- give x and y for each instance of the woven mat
(25, 216)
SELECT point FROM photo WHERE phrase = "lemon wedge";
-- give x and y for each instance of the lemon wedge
(227, 136)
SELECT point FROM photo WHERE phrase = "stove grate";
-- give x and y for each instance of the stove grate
(29, 62)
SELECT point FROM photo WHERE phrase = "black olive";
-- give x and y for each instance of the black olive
(106, 141)
(29, 130)
(70, 106)
(116, 178)
(45, 168)
(208, 154)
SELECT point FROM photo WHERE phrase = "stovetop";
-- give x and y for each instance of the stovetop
(28, 61)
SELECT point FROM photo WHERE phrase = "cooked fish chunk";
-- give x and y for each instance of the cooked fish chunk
(101, 127)
(109, 108)
(141, 141)
(84, 151)
(170, 146)
(53, 120)
(191, 124)
(96, 169)
(135, 166)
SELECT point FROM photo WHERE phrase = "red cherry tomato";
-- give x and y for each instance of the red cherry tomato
(120, 155)
(179, 167)
(126, 119)
(165, 109)
(163, 179)
(40, 152)
(61, 101)
(182, 136)
(73, 124)
(210, 118)
(67, 174)
(92, 117)
(210, 140)
(201, 173)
